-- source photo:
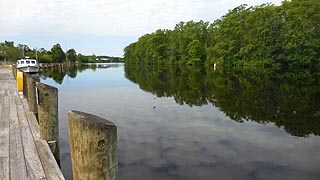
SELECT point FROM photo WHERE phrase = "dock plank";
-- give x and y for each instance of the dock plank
(25, 105)
(49, 162)
(34, 126)
(33, 163)
(18, 170)
(4, 138)
(46, 156)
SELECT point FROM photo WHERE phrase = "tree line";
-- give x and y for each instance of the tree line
(283, 36)
(11, 53)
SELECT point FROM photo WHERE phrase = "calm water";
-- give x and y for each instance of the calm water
(182, 123)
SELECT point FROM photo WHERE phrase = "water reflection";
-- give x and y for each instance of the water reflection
(180, 126)
(59, 73)
(288, 99)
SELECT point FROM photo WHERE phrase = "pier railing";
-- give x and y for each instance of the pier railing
(93, 140)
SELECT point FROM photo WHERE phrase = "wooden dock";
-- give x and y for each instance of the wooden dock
(23, 155)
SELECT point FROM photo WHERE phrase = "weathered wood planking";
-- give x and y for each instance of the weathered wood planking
(23, 155)
(34, 126)
(7, 82)
(33, 163)
(50, 166)
(25, 105)
(49, 163)
(18, 170)
(46, 157)
(4, 138)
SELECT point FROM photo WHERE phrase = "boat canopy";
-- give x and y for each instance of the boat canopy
(27, 61)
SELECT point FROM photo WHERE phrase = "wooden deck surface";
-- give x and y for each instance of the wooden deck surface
(23, 155)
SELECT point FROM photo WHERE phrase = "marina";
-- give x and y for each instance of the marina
(29, 136)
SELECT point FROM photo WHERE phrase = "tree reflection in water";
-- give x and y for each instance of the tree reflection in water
(288, 99)
(180, 142)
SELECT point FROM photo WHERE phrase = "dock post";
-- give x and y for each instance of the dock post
(19, 80)
(25, 82)
(14, 71)
(31, 93)
(93, 146)
(48, 116)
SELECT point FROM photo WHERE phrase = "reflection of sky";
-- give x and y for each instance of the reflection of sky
(92, 79)
(159, 139)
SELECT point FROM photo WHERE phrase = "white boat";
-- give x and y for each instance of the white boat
(28, 65)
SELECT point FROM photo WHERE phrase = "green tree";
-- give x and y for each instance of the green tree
(11, 54)
(71, 55)
(196, 50)
(9, 44)
(58, 56)
(45, 58)
(81, 58)
(287, 35)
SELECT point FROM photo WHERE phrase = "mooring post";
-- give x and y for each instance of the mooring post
(14, 71)
(93, 145)
(47, 100)
(31, 93)
(19, 80)
(25, 84)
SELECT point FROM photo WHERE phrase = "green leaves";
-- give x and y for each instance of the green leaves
(186, 41)
(71, 55)
(288, 35)
(196, 50)
(57, 53)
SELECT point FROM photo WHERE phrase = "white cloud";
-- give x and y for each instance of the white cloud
(111, 17)
(101, 26)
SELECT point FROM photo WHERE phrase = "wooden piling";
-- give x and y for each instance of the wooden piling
(25, 90)
(48, 116)
(31, 93)
(19, 80)
(14, 71)
(93, 145)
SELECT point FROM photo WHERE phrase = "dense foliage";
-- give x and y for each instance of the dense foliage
(10, 53)
(57, 53)
(285, 35)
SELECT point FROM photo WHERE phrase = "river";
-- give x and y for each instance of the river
(198, 123)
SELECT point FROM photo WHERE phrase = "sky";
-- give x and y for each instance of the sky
(102, 27)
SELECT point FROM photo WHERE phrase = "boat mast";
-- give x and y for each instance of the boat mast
(67, 54)
(36, 53)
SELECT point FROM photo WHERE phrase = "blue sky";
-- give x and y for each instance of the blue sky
(101, 27)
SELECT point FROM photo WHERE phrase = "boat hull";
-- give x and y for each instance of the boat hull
(29, 69)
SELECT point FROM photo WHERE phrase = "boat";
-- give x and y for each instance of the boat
(27, 65)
